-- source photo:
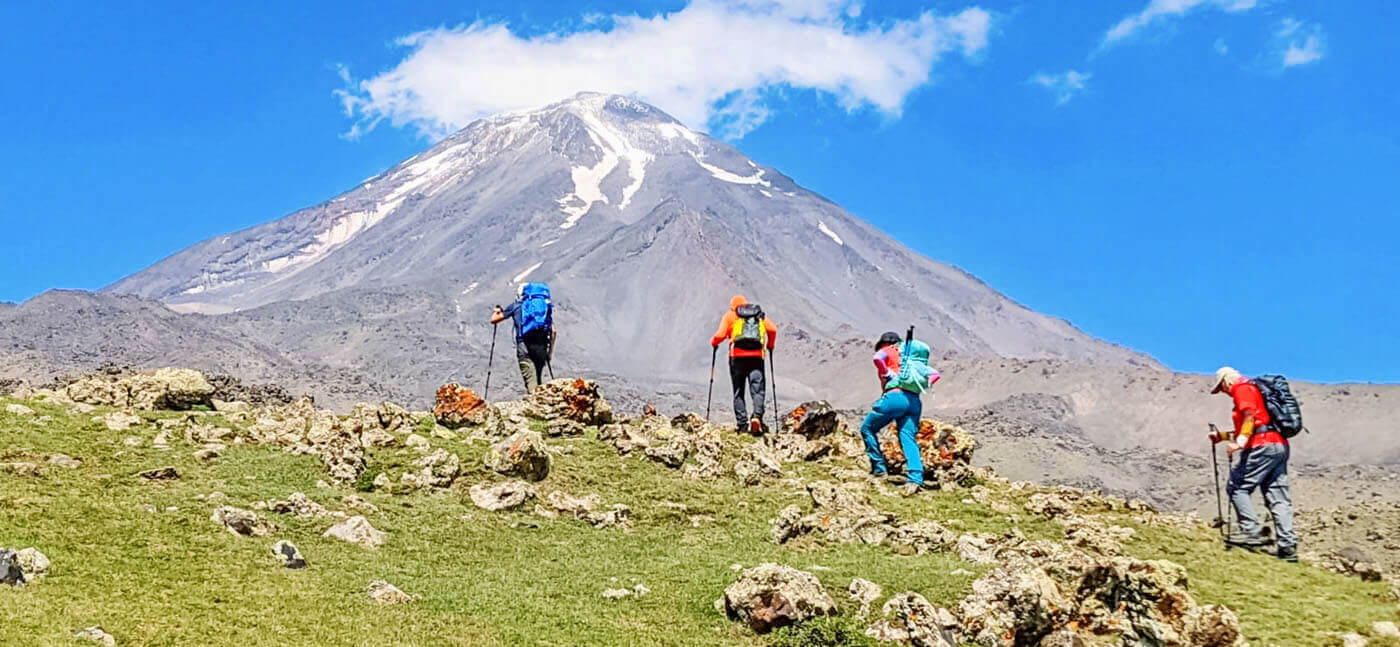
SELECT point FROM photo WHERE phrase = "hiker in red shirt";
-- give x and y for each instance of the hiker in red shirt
(1263, 464)
(748, 331)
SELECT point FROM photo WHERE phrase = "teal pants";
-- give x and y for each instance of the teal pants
(904, 409)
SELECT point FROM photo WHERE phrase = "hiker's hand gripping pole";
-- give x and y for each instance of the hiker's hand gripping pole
(496, 318)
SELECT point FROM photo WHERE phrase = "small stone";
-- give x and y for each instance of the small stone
(417, 443)
(207, 454)
(160, 474)
(355, 502)
(18, 410)
(640, 590)
(132, 441)
(1385, 628)
(381, 592)
(617, 594)
(381, 480)
(502, 496)
(288, 554)
(864, 592)
(34, 564)
(1353, 639)
(97, 635)
(148, 508)
(121, 420)
(241, 522)
(357, 530)
(20, 468)
(64, 460)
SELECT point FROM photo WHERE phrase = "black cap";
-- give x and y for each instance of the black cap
(887, 339)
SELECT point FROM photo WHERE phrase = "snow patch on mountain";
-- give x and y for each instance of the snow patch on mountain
(829, 233)
(730, 176)
(521, 276)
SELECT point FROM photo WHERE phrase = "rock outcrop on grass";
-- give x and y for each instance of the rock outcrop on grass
(20, 567)
(96, 635)
(175, 389)
(770, 595)
(457, 406)
(524, 454)
(501, 496)
(357, 530)
(241, 522)
(288, 555)
(381, 592)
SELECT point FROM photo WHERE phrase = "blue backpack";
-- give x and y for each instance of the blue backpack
(914, 371)
(536, 310)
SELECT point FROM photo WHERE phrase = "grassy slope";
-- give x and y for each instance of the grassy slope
(174, 578)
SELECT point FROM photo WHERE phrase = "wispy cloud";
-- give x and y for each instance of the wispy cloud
(1063, 86)
(1301, 43)
(1160, 11)
(713, 63)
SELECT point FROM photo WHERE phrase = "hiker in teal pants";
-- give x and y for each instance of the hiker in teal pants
(900, 406)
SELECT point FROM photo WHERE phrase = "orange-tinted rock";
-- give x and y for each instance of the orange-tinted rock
(458, 406)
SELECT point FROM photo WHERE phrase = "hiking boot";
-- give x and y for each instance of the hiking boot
(756, 426)
(1245, 540)
(1288, 553)
(911, 489)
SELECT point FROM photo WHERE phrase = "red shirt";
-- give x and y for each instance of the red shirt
(887, 364)
(1249, 402)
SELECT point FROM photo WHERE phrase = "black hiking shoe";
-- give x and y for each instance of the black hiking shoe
(1288, 554)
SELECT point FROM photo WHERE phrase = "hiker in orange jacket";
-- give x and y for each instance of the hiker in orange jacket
(746, 348)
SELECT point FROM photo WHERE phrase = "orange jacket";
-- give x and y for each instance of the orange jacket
(726, 330)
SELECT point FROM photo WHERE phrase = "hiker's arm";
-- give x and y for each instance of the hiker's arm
(497, 316)
(725, 324)
(772, 332)
(933, 376)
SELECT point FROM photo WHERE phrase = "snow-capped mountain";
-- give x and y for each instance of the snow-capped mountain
(643, 227)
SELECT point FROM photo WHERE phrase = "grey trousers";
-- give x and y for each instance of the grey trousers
(1264, 467)
(747, 372)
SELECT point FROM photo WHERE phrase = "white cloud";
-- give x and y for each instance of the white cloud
(1220, 47)
(1162, 10)
(714, 62)
(1300, 42)
(1064, 86)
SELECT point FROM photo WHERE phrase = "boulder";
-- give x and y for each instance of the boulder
(417, 443)
(813, 420)
(576, 399)
(381, 592)
(457, 406)
(356, 530)
(120, 420)
(942, 446)
(288, 555)
(10, 571)
(671, 453)
(708, 455)
(336, 443)
(924, 625)
(1350, 560)
(770, 595)
(502, 496)
(864, 592)
(1212, 626)
(241, 522)
(523, 454)
(437, 470)
(20, 468)
(175, 389)
(64, 461)
(97, 635)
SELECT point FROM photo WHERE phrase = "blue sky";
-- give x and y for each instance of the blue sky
(1209, 181)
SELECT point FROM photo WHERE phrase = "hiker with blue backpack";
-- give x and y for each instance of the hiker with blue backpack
(1265, 416)
(533, 316)
(904, 373)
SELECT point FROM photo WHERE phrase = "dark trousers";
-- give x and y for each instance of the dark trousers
(532, 355)
(746, 371)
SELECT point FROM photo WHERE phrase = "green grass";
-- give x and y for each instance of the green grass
(174, 578)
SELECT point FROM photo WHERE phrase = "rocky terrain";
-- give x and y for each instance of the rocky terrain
(500, 522)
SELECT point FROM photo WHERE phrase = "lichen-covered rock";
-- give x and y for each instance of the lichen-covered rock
(33, 563)
(1353, 561)
(708, 463)
(381, 592)
(241, 522)
(576, 399)
(176, 389)
(1013, 606)
(299, 505)
(356, 530)
(436, 470)
(97, 635)
(770, 595)
(863, 592)
(457, 406)
(523, 454)
(1212, 626)
(813, 420)
(167, 473)
(671, 453)
(923, 536)
(924, 625)
(288, 555)
(501, 496)
(18, 410)
(944, 447)
(120, 420)
(791, 448)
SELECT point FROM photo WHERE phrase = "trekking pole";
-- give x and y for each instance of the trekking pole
(486, 393)
(549, 359)
(710, 396)
(772, 380)
(1215, 470)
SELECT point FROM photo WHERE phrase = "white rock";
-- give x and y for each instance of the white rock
(97, 635)
(357, 530)
(34, 564)
(19, 410)
(1385, 628)
(381, 592)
